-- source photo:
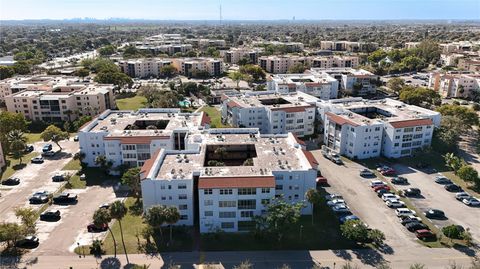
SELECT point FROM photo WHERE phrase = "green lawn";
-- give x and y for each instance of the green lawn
(132, 103)
(32, 137)
(13, 165)
(215, 116)
(72, 165)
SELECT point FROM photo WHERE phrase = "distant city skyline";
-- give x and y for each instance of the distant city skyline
(242, 10)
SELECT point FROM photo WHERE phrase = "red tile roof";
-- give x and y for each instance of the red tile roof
(299, 141)
(311, 159)
(205, 119)
(341, 120)
(233, 104)
(147, 166)
(292, 109)
(236, 182)
(137, 139)
(411, 123)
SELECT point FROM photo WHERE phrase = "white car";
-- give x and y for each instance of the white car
(389, 196)
(404, 212)
(462, 195)
(336, 202)
(376, 183)
(472, 201)
(394, 203)
(333, 196)
(341, 209)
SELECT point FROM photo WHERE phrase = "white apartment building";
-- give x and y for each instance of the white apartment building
(169, 49)
(281, 64)
(131, 137)
(334, 61)
(352, 81)
(450, 59)
(143, 68)
(290, 46)
(320, 85)
(205, 43)
(348, 46)
(271, 113)
(471, 64)
(454, 85)
(234, 55)
(225, 191)
(361, 129)
(459, 46)
(56, 102)
(411, 45)
(190, 66)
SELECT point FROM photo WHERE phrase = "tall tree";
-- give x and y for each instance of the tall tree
(118, 210)
(54, 134)
(172, 216)
(131, 178)
(236, 77)
(28, 217)
(155, 218)
(8, 122)
(314, 198)
(17, 141)
(10, 233)
(102, 217)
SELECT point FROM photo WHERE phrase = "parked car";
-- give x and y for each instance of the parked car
(48, 153)
(388, 172)
(394, 203)
(388, 195)
(65, 198)
(29, 148)
(38, 199)
(333, 196)
(322, 181)
(75, 138)
(400, 180)
(337, 160)
(366, 173)
(472, 201)
(376, 183)
(92, 228)
(410, 219)
(381, 187)
(336, 202)
(453, 188)
(30, 241)
(435, 214)
(382, 192)
(462, 195)
(415, 226)
(341, 209)
(347, 218)
(382, 167)
(105, 206)
(11, 181)
(404, 212)
(50, 215)
(47, 147)
(424, 234)
(58, 178)
(37, 160)
(442, 180)
(412, 192)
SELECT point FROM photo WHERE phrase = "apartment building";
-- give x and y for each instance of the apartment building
(450, 59)
(471, 64)
(281, 64)
(191, 66)
(289, 46)
(271, 113)
(131, 137)
(348, 46)
(352, 81)
(206, 43)
(320, 85)
(411, 45)
(334, 61)
(61, 102)
(143, 68)
(234, 55)
(459, 46)
(169, 49)
(361, 129)
(455, 84)
(224, 190)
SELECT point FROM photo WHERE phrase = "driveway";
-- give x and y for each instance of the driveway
(35, 177)
(435, 196)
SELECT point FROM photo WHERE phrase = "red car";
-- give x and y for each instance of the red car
(424, 234)
(382, 187)
(322, 181)
(92, 228)
(388, 172)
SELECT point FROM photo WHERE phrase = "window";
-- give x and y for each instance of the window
(279, 177)
(183, 207)
(182, 196)
(377, 129)
(247, 204)
(182, 186)
(227, 215)
(208, 202)
(247, 191)
(227, 225)
(408, 130)
(246, 214)
(227, 203)
(396, 144)
(417, 136)
(279, 187)
(184, 217)
(208, 213)
(407, 138)
(207, 191)
(418, 129)
(265, 190)
(226, 191)
(406, 145)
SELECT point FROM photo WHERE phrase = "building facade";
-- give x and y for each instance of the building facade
(192, 66)
(455, 84)
(352, 81)
(234, 55)
(143, 68)
(320, 85)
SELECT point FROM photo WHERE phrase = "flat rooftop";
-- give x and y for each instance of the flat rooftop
(272, 153)
(274, 100)
(300, 79)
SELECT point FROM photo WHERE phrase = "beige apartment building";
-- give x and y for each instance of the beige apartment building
(281, 64)
(143, 68)
(234, 55)
(191, 66)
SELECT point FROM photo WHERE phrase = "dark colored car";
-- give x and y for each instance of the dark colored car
(424, 234)
(92, 228)
(11, 181)
(28, 242)
(65, 198)
(29, 148)
(47, 147)
(347, 218)
(50, 215)
(38, 199)
(414, 226)
(58, 178)
(37, 160)
(388, 172)
(408, 220)
(381, 192)
(399, 180)
(322, 181)
(412, 192)
(435, 214)
(453, 188)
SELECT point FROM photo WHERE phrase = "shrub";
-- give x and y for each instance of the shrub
(453, 231)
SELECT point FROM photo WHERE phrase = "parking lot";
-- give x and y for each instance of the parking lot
(435, 196)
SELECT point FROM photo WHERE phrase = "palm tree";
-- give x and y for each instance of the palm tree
(155, 218)
(118, 210)
(17, 141)
(172, 216)
(102, 217)
(313, 197)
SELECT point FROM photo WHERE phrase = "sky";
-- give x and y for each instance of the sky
(241, 9)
